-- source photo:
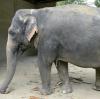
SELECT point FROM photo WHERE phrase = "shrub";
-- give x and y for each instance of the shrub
(64, 2)
(97, 3)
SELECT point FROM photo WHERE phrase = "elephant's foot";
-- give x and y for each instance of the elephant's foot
(2, 91)
(66, 89)
(45, 91)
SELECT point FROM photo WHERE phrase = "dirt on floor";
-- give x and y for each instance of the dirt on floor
(27, 78)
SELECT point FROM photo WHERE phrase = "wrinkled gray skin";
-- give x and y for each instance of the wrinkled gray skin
(69, 34)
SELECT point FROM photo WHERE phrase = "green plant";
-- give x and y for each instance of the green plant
(97, 3)
(64, 2)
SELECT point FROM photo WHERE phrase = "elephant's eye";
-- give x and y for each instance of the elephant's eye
(12, 33)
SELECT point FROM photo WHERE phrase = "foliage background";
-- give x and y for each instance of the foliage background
(97, 3)
(64, 2)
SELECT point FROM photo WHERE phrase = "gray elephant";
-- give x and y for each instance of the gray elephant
(65, 34)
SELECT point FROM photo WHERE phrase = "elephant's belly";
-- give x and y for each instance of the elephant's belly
(86, 60)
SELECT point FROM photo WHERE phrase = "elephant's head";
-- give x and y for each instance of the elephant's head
(22, 30)
(20, 33)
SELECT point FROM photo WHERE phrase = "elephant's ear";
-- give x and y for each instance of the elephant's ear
(30, 27)
(32, 33)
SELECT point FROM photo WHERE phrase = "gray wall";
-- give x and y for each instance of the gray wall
(7, 10)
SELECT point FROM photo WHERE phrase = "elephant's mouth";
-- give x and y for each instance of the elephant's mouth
(22, 48)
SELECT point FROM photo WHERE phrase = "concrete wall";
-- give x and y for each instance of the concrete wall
(7, 10)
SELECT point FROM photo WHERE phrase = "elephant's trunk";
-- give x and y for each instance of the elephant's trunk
(11, 52)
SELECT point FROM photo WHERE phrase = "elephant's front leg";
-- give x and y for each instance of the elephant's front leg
(97, 83)
(62, 68)
(45, 72)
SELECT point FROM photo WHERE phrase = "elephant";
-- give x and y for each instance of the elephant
(68, 34)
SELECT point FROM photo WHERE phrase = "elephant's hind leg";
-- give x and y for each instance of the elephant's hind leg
(62, 68)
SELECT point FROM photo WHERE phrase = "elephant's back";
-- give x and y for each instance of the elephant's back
(83, 9)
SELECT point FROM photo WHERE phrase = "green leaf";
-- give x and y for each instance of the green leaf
(97, 3)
